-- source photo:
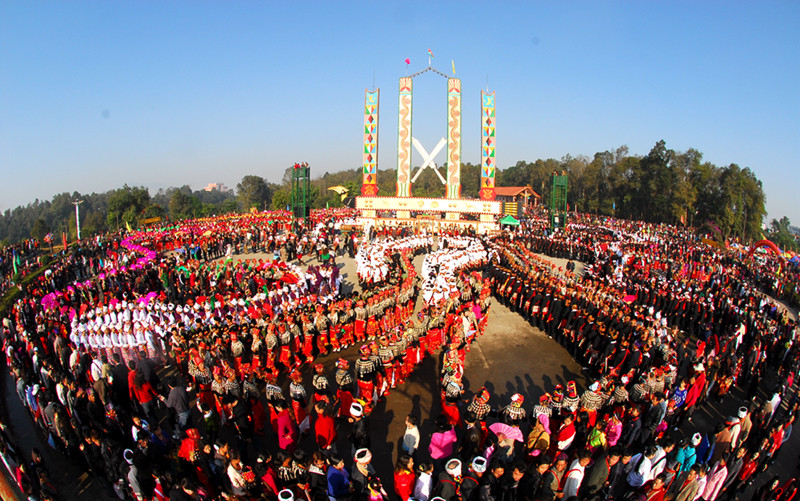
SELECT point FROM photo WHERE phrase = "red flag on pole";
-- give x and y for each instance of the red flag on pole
(64, 240)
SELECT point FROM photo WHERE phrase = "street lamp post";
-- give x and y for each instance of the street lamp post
(77, 204)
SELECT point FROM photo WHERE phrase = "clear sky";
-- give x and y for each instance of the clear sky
(153, 93)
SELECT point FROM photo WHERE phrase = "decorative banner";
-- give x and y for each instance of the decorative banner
(369, 182)
(468, 206)
(487, 191)
(404, 139)
(453, 138)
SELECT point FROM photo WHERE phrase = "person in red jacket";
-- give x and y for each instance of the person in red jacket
(775, 441)
(142, 391)
(655, 490)
(696, 386)
(564, 436)
(267, 474)
(324, 426)
(746, 474)
(404, 477)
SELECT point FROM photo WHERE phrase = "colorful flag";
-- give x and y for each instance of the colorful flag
(452, 61)
(430, 53)
(408, 61)
(14, 259)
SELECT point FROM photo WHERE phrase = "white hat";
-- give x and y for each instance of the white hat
(479, 464)
(696, 439)
(453, 467)
(356, 409)
(742, 412)
(363, 456)
(286, 495)
(594, 386)
(699, 367)
(624, 379)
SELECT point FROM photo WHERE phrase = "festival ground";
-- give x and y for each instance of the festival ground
(511, 357)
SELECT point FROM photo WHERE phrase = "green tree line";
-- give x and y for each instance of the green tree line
(663, 186)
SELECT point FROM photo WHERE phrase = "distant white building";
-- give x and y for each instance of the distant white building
(216, 187)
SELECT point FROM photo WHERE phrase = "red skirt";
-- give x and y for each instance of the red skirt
(451, 412)
(365, 390)
(322, 342)
(345, 401)
(259, 416)
(308, 347)
(285, 356)
(360, 329)
(347, 337)
(372, 327)
(300, 413)
(332, 335)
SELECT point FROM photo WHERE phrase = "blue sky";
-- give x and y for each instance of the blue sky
(97, 94)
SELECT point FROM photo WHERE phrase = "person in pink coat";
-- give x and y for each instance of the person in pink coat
(442, 441)
(715, 480)
(613, 430)
(287, 428)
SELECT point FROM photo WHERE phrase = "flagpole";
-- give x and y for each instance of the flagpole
(77, 203)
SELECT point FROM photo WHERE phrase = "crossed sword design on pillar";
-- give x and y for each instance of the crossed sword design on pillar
(427, 158)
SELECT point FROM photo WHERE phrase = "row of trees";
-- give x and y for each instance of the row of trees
(663, 186)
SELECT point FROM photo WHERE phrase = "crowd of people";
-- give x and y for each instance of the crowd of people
(170, 369)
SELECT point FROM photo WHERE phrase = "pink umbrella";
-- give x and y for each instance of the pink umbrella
(629, 298)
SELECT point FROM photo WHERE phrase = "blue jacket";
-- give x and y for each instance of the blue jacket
(338, 482)
(687, 457)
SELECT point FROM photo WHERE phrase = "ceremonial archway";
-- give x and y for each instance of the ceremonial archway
(452, 179)
(405, 141)
(765, 243)
(771, 247)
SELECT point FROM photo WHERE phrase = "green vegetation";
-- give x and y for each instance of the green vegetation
(664, 186)
(11, 295)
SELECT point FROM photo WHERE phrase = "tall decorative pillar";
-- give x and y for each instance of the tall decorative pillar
(453, 138)
(487, 191)
(404, 138)
(369, 181)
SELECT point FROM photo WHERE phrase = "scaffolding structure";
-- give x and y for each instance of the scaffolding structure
(558, 201)
(301, 179)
